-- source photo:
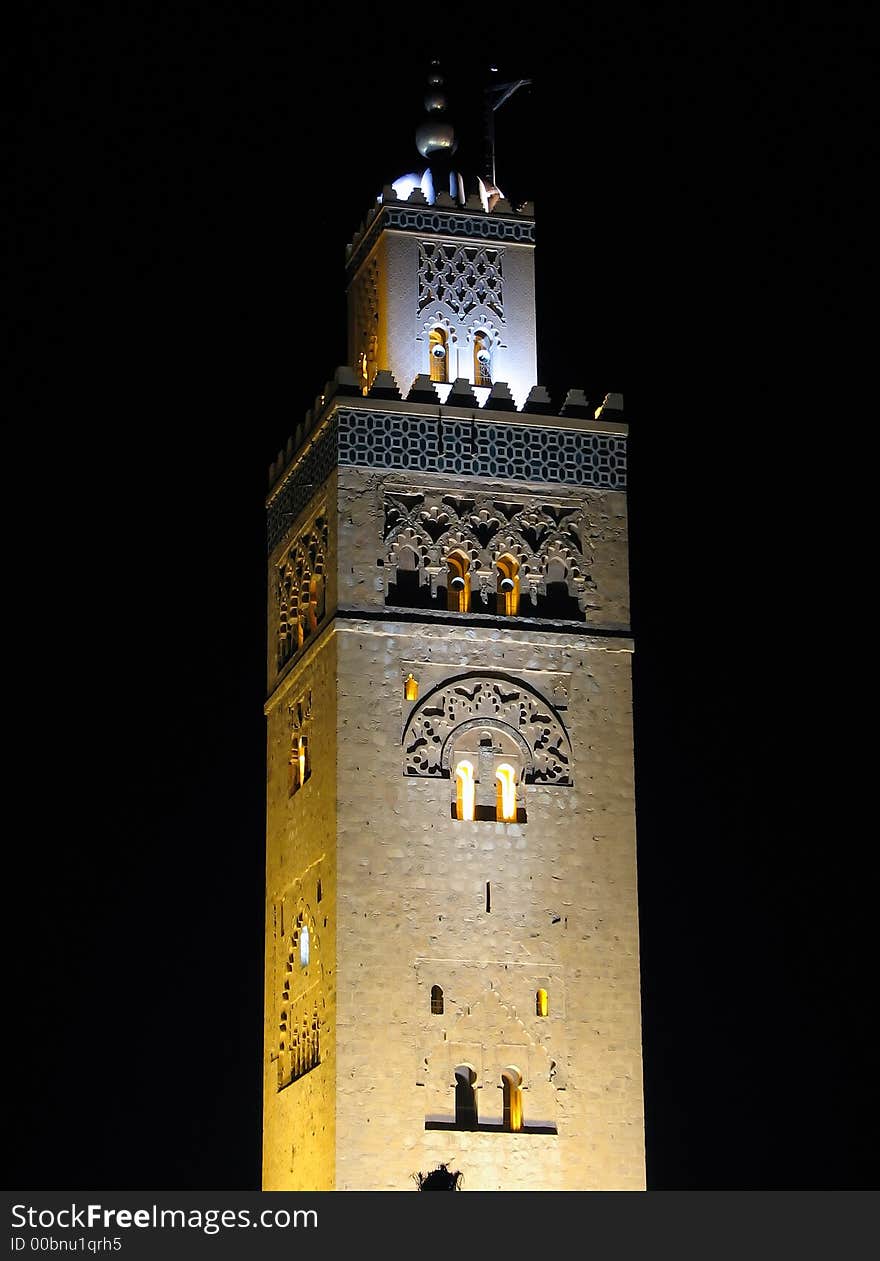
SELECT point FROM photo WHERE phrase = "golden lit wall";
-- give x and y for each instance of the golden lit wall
(299, 1114)
(413, 914)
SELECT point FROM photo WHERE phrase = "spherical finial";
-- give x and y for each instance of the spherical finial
(435, 136)
(435, 102)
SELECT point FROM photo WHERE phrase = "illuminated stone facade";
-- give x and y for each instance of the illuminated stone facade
(451, 917)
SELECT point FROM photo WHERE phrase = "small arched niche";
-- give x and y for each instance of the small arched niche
(436, 1000)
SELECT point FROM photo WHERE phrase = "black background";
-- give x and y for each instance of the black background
(186, 184)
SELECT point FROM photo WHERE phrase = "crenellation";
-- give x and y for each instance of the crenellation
(493, 404)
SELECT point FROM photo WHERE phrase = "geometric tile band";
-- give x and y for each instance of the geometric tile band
(409, 219)
(429, 219)
(482, 449)
(520, 453)
(311, 472)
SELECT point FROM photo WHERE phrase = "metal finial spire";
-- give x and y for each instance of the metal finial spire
(435, 135)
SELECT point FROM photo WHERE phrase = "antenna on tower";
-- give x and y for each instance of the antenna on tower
(495, 95)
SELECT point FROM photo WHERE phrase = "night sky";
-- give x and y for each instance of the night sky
(188, 184)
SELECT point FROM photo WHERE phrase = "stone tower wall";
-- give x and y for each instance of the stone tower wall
(412, 914)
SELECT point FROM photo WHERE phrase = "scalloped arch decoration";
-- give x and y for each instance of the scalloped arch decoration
(498, 700)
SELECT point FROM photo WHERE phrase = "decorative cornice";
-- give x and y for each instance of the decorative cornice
(475, 224)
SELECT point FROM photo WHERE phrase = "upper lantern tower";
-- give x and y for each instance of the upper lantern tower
(441, 279)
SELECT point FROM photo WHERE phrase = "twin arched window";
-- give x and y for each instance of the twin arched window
(438, 357)
(466, 1099)
(458, 584)
(466, 793)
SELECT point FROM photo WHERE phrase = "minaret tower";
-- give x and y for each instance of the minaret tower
(451, 918)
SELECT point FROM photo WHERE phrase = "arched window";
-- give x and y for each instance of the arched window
(465, 790)
(304, 946)
(506, 804)
(465, 1098)
(410, 688)
(405, 587)
(300, 768)
(458, 583)
(436, 1000)
(438, 354)
(511, 1085)
(482, 360)
(542, 1003)
(558, 601)
(507, 586)
(316, 600)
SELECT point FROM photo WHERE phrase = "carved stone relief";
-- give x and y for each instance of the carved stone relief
(497, 701)
(300, 589)
(300, 998)
(548, 539)
(460, 278)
